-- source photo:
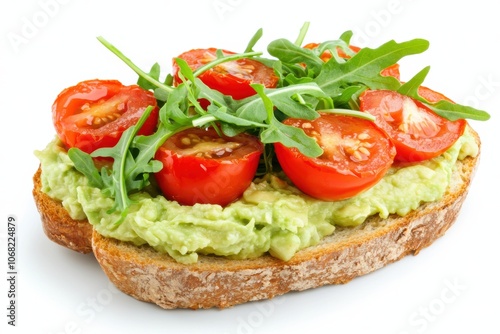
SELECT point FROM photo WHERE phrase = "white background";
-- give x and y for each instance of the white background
(48, 45)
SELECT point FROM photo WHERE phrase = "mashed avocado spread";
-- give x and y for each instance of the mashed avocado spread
(272, 216)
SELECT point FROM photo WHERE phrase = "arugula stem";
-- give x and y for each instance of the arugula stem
(225, 59)
(134, 67)
(254, 40)
(302, 34)
(349, 112)
(200, 121)
(123, 191)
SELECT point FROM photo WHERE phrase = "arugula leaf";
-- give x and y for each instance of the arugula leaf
(290, 136)
(346, 36)
(214, 96)
(255, 38)
(161, 94)
(184, 69)
(290, 53)
(302, 34)
(222, 114)
(125, 168)
(332, 46)
(173, 112)
(410, 88)
(449, 110)
(454, 111)
(349, 98)
(84, 164)
(153, 73)
(285, 100)
(365, 67)
(133, 163)
(130, 171)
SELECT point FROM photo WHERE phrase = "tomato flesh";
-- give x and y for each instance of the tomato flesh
(199, 166)
(418, 133)
(357, 154)
(230, 78)
(95, 113)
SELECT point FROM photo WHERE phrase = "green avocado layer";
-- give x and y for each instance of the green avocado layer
(272, 216)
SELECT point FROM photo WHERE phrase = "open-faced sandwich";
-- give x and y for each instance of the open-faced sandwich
(240, 177)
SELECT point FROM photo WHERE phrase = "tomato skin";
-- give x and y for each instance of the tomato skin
(94, 113)
(392, 70)
(431, 95)
(231, 78)
(420, 134)
(190, 179)
(337, 174)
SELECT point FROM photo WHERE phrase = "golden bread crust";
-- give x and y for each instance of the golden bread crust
(56, 222)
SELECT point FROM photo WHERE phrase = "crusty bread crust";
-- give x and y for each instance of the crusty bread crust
(56, 222)
(218, 282)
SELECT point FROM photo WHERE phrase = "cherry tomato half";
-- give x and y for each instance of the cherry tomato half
(230, 78)
(392, 70)
(357, 154)
(199, 166)
(418, 133)
(94, 113)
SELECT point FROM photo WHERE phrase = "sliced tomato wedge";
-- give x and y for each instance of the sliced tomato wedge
(392, 70)
(230, 78)
(418, 133)
(199, 166)
(95, 113)
(357, 154)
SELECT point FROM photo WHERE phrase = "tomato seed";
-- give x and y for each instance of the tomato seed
(357, 156)
(307, 126)
(364, 136)
(364, 150)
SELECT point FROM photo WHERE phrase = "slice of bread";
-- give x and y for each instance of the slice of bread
(220, 282)
(57, 223)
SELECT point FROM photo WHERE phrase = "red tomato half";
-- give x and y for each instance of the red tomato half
(392, 70)
(418, 133)
(199, 166)
(230, 78)
(357, 154)
(94, 113)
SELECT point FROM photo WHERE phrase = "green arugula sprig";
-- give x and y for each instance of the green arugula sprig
(257, 113)
(307, 85)
(146, 80)
(132, 163)
(345, 79)
(444, 108)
